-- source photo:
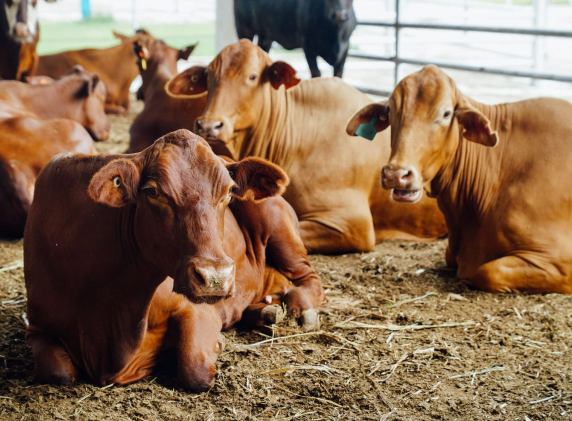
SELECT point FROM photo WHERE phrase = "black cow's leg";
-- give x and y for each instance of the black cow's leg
(312, 59)
(339, 66)
(264, 43)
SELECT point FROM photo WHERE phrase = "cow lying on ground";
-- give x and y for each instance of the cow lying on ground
(112, 228)
(28, 141)
(19, 36)
(320, 27)
(500, 173)
(162, 113)
(334, 178)
(78, 96)
(116, 66)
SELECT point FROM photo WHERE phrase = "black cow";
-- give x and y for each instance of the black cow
(321, 27)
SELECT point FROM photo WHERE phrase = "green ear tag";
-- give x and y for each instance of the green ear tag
(367, 130)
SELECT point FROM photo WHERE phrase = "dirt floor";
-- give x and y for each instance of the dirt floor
(400, 339)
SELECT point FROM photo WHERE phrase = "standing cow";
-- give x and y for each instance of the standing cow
(501, 175)
(19, 35)
(320, 27)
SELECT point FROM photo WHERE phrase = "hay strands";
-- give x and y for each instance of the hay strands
(396, 328)
(297, 335)
(16, 264)
(473, 374)
(410, 300)
(300, 367)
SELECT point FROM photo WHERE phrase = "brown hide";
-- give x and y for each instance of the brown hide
(162, 113)
(76, 248)
(501, 176)
(335, 188)
(78, 96)
(116, 66)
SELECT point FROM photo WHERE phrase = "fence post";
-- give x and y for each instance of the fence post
(539, 11)
(225, 28)
(397, 29)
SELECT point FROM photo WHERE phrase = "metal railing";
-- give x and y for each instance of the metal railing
(398, 25)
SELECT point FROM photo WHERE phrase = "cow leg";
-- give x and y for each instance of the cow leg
(264, 43)
(450, 258)
(517, 274)
(52, 364)
(286, 252)
(199, 345)
(312, 59)
(339, 66)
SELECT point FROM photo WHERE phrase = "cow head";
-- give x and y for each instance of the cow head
(153, 54)
(87, 94)
(239, 82)
(428, 116)
(22, 19)
(181, 191)
(338, 11)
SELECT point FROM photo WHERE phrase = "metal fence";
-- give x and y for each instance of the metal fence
(397, 59)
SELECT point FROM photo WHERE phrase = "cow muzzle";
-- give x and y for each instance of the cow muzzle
(403, 183)
(209, 129)
(340, 15)
(207, 279)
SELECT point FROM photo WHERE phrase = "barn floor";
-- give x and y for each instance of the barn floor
(401, 339)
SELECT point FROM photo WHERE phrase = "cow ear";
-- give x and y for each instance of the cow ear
(186, 52)
(256, 179)
(192, 81)
(476, 126)
(376, 115)
(115, 184)
(281, 73)
(119, 36)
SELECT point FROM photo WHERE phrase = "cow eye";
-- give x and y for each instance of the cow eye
(253, 77)
(447, 114)
(151, 192)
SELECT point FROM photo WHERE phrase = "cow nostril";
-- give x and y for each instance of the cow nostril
(199, 125)
(407, 175)
(218, 125)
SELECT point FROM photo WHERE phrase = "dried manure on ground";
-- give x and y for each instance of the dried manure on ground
(400, 339)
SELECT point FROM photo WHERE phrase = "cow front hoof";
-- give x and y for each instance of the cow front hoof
(272, 314)
(309, 320)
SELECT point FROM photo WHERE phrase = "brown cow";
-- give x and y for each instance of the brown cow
(499, 173)
(78, 96)
(98, 300)
(335, 179)
(116, 66)
(162, 113)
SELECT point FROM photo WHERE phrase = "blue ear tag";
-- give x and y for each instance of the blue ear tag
(367, 130)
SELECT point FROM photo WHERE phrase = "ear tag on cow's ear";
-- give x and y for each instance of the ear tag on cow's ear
(367, 130)
(143, 61)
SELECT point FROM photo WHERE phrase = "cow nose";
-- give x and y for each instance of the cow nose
(217, 277)
(396, 177)
(209, 129)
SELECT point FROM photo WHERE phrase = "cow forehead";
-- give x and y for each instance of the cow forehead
(189, 170)
(425, 89)
(236, 58)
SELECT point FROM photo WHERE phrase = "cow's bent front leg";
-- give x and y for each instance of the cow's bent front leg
(52, 363)
(199, 345)
(312, 59)
(339, 66)
(518, 274)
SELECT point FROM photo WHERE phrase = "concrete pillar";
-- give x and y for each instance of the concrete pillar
(225, 29)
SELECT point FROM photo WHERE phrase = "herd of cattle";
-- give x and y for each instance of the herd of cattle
(184, 236)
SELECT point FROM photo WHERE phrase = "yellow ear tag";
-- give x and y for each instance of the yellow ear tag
(143, 63)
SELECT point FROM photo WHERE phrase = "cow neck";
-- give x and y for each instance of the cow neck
(157, 83)
(273, 137)
(469, 181)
